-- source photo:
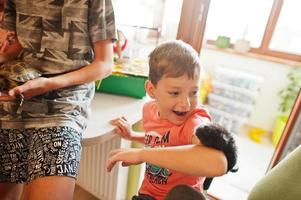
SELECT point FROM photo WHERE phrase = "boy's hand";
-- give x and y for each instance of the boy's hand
(126, 156)
(123, 127)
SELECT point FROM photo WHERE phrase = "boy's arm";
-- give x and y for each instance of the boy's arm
(138, 136)
(196, 160)
(123, 128)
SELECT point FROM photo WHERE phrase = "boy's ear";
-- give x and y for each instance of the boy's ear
(149, 88)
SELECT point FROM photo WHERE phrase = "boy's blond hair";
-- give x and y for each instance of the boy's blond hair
(173, 59)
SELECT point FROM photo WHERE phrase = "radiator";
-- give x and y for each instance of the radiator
(93, 176)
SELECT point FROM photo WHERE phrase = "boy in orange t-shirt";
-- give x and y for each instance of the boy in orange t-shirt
(174, 153)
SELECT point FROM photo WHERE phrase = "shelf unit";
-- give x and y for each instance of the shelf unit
(233, 97)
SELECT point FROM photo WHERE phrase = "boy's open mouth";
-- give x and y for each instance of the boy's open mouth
(179, 113)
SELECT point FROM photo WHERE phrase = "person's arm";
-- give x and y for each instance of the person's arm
(123, 128)
(100, 68)
(193, 160)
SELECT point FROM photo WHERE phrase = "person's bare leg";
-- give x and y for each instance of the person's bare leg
(10, 191)
(49, 188)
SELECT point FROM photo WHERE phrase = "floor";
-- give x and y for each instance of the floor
(253, 161)
(81, 194)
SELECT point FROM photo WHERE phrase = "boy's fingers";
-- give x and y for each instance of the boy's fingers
(120, 130)
(117, 130)
(123, 129)
(110, 165)
(112, 159)
(114, 121)
(119, 121)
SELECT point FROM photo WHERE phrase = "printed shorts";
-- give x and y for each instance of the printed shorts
(27, 154)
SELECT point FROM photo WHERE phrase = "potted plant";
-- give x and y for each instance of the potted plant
(288, 96)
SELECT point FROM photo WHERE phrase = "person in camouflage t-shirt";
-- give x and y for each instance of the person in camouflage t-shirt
(70, 43)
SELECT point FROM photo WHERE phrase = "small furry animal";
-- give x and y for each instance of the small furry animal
(217, 137)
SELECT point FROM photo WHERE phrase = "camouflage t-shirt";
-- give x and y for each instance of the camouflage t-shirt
(57, 36)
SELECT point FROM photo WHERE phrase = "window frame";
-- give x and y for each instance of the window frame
(193, 22)
(188, 18)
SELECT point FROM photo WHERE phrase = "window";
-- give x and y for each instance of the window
(271, 26)
(145, 23)
(137, 12)
(237, 19)
(288, 30)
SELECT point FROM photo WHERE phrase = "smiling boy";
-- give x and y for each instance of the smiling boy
(173, 154)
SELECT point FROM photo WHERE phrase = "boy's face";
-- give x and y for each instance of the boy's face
(176, 98)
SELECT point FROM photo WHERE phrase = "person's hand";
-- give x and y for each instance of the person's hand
(123, 127)
(126, 156)
(31, 88)
(5, 97)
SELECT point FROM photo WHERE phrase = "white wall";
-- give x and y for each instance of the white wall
(266, 107)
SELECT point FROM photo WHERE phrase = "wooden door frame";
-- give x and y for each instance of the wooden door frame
(192, 22)
(296, 111)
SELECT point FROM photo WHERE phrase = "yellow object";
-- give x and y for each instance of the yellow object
(134, 170)
(205, 88)
(116, 67)
(203, 95)
(256, 134)
(133, 176)
(278, 129)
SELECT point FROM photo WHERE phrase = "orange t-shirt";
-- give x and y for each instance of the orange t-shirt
(161, 133)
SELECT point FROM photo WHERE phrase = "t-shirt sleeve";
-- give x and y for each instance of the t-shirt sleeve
(201, 117)
(9, 16)
(101, 20)
(203, 112)
(146, 112)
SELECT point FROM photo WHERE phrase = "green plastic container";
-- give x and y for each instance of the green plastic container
(222, 42)
(126, 85)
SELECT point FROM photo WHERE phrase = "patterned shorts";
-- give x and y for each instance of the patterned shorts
(26, 154)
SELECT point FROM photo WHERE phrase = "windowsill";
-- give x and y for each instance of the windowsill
(254, 55)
